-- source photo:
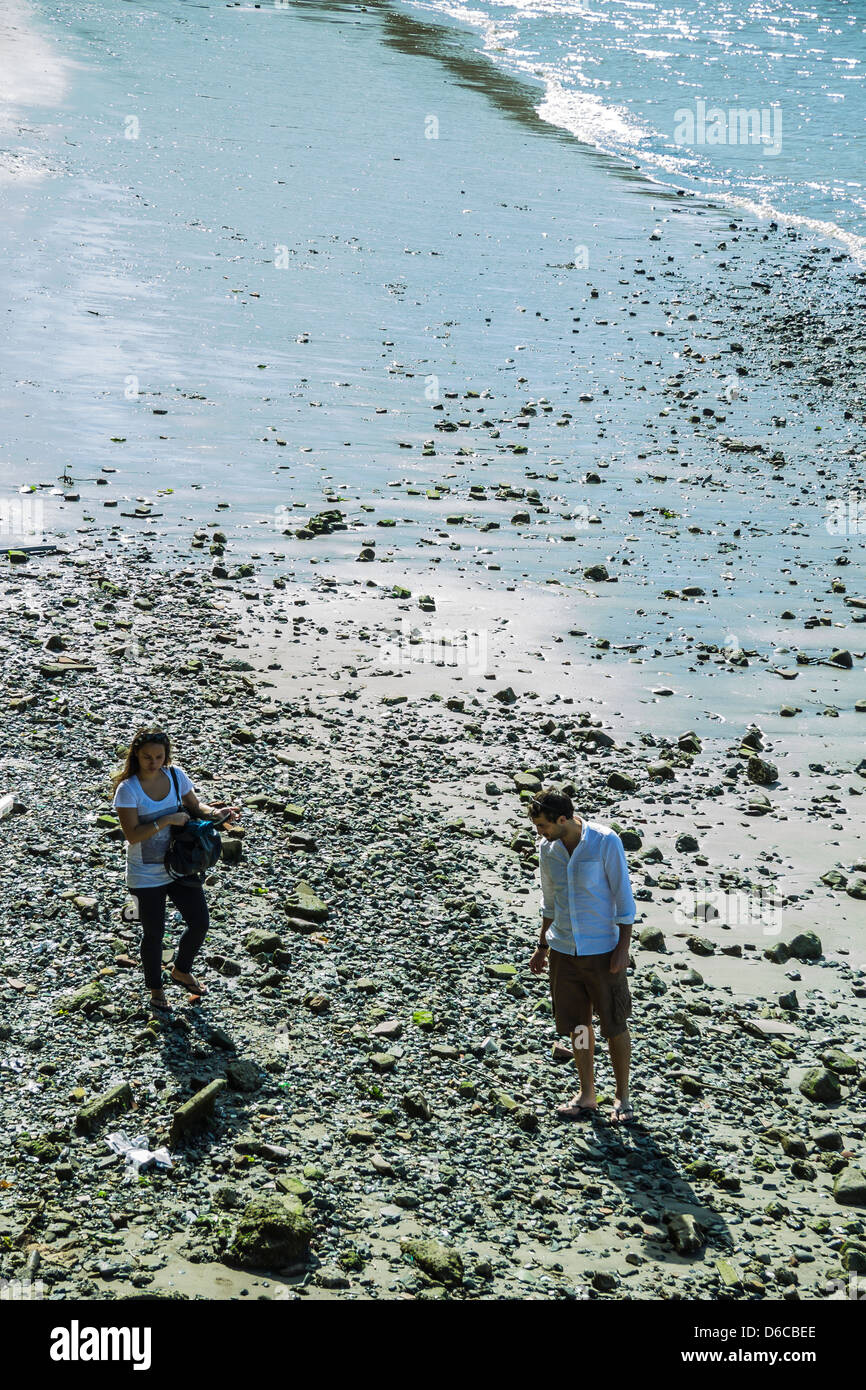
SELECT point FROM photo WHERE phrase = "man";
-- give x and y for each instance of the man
(586, 920)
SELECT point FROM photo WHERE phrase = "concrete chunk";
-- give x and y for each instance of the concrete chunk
(196, 1111)
(104, 1107)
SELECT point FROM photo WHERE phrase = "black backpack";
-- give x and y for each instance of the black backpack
(195, 847)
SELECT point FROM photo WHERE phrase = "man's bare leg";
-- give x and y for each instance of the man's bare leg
(620, 1057)
(583, 1047)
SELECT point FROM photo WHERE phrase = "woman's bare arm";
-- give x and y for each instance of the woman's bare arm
(135, 832)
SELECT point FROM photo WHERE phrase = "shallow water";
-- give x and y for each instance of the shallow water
(310, 266)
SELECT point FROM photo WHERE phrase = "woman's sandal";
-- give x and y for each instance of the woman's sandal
(159, 1003)
(191, 985)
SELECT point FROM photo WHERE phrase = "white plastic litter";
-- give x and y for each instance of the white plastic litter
(136, 1153)
(6, 804)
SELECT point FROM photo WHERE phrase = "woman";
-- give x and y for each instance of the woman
(147, 805)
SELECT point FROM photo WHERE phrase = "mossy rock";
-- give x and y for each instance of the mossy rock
(652, 939)
(439, 1262)
(272, 1233)
(821, 1086)
(630, 839)
(42, 1149)
(84, 1000)
(839, 1062)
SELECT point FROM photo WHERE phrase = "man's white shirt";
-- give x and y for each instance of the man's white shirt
(587, 893)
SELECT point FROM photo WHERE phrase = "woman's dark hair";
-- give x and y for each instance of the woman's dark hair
(551, 804)
(130, 767)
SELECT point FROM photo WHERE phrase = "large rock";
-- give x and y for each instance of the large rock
(631, 840)
(300, 925)
(302, 902)
(833, 879)
(850, 1187)
(821, 1086)
(416, 1106)
(526, 782)
(440, 1263)
(840, 1062)
(83, 1000)
(232, 849)
(652, 939)
(293, 1186)
(501, 971)
(841, 658)
(806, 946)
(621, 782)
(853, 1256)
(760, 771)
(272, 1233)
(701, 946)
(662, 770)
(777, 953)
(243, 1075)
(260, 942)
(685, 1233)
(383, 1061)
(829, 1140)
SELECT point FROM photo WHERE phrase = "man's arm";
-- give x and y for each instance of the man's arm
(616, 869)
(548, 897)
(539, 956)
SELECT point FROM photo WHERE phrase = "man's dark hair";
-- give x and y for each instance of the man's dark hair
(551, 804)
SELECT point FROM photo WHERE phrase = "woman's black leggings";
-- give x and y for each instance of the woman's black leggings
(190, 901)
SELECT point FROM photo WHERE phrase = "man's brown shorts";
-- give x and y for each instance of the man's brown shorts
(579, 984)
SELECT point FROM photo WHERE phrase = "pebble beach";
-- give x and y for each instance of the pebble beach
(399, 520)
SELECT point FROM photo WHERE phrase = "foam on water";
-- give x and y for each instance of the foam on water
(617, 76)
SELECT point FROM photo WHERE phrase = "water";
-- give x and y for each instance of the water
(624, 75)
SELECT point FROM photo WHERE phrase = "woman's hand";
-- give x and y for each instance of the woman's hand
(177, 818)
(227, 812)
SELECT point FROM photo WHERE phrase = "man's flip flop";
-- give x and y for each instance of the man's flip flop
(622, 1115)
(576, 1112)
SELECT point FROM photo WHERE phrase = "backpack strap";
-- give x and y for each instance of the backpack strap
(176, 788)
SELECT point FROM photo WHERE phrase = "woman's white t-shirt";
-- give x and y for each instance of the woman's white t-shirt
(144, 866)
